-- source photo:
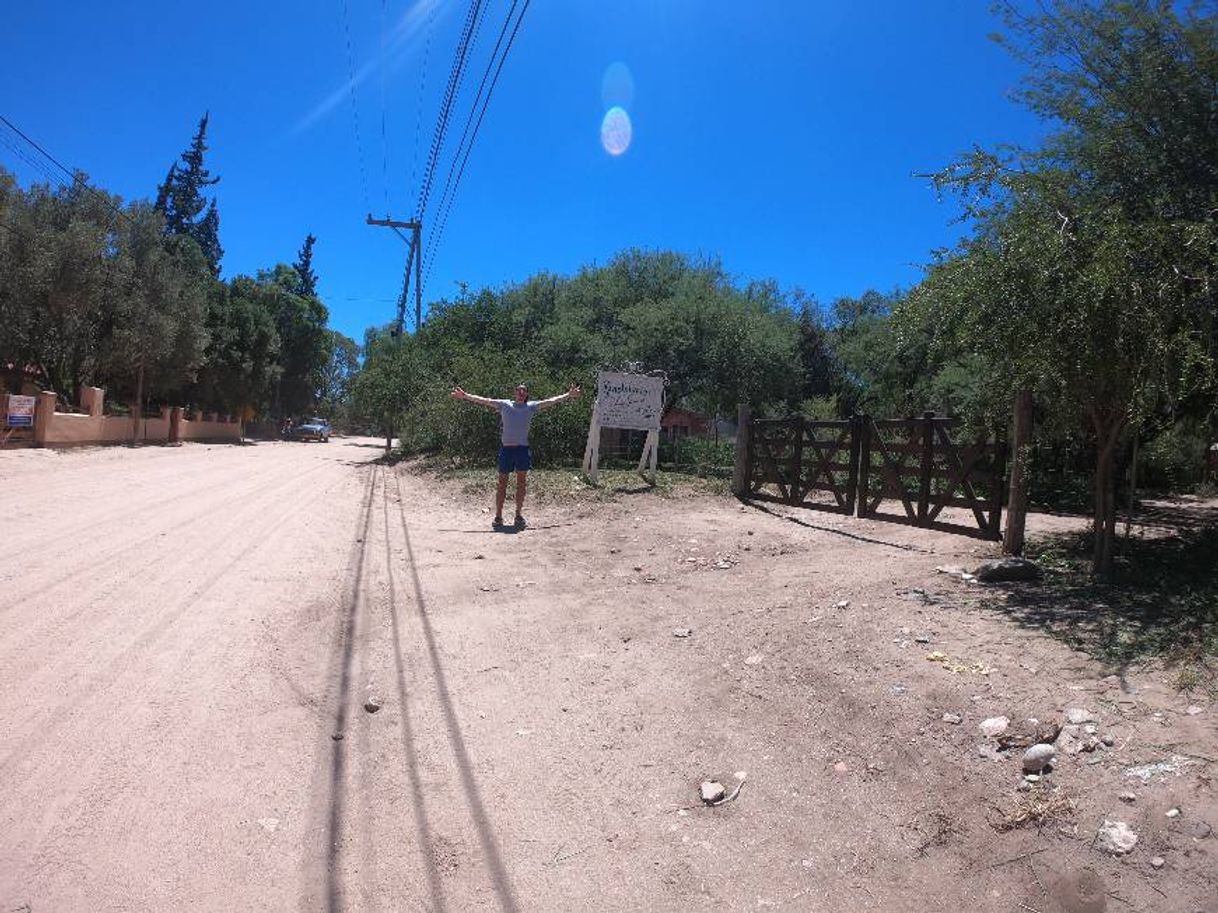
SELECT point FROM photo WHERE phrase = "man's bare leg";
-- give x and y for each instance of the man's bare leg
(500, 496)
(522, 482)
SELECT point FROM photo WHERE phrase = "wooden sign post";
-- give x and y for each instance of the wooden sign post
(631, 401)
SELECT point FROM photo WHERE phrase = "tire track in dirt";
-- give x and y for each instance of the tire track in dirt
(154, 501)
(72, 709)
(112, 554)
(320, 878)
(52, 626)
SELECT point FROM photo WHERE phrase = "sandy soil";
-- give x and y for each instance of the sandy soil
(189, 637)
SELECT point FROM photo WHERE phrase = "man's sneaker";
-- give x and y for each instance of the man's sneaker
(520, 524)
(497, 523)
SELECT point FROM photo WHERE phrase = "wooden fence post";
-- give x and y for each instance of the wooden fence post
(1020, 453)
(852, 479)
(864, 483)
(797, 476)
(742, 471)
(928, 465)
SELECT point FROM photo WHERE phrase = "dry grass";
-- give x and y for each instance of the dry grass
(1041, 806)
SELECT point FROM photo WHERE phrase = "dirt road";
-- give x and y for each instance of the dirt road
(189, 638)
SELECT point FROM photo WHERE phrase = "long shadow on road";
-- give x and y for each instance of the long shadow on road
(473, 797)
(338, 762)
(418, 803)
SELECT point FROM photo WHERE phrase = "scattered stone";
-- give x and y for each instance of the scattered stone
(1173, 813)
(479, 557)
(842, 604)
(612, 551)
(723, 565)
(1115, 837)
(1023, 786)
(1069, 740)
(922, 639)
(989, 751)
(1026, 733)
(952, 569)
(1077, 716)
(1147, 772)
(638, 567)
(373, 704)
(994, 726)
(338, 737)
(1108, 739)
(1032, 778)
(1194, 710)
(1157, 862)
(841, 767)
(1007, 569)
(1128, 797)
(754, 660)
(712, 792)
(1038, 757)
(898, 690)
(953, 718)
(682, 632)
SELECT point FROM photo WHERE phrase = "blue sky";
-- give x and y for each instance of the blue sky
(781, 137)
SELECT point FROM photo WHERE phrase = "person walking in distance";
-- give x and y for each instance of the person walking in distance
(515, 415)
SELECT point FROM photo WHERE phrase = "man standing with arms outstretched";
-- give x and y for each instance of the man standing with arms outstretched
(515, 414)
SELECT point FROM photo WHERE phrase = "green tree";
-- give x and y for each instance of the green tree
(307, 284)
(155, 310)
(1089, 271)
(180, 199)
(241, 367)
(334, 395)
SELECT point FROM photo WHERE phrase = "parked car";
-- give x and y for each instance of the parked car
(313, 429)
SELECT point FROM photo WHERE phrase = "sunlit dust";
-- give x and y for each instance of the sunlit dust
(617, 86)
(616, 131)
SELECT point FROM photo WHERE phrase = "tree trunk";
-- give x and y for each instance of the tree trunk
(1104, 523)
(137, 411)
(1021, 452)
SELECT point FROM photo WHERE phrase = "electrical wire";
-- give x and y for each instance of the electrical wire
(384, 139)
(359, 145)
(418, 121)
(438, 233)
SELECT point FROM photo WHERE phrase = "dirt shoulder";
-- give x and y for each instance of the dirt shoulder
(548, 704)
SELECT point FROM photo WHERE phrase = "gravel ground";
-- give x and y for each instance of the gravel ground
(191, 639)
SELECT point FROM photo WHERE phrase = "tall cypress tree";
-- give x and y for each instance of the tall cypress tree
(304, 269)
(180, 199)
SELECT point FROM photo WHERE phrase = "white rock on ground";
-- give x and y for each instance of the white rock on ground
(1038, 757)
(1076, 716)
(1115, 837)
(712, 791)
(994, 726)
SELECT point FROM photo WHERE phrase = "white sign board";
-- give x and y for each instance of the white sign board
(629, 401)
(20, 411)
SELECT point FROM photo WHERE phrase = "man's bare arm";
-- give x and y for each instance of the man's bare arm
(572, 393)
(458, 393)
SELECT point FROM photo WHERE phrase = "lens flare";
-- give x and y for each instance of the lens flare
(616, 131)
(617, 86)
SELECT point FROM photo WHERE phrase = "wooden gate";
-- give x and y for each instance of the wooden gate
(872, 465)
(805, 463)
(916, 464)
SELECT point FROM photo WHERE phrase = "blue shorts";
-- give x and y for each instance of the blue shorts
(515, 459)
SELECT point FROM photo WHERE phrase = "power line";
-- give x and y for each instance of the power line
(359, 144)
(77, 181)
(438, 233)
(472, 18)
(384, 140)
(418, 121)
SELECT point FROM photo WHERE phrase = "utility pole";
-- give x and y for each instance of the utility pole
(415, 253)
